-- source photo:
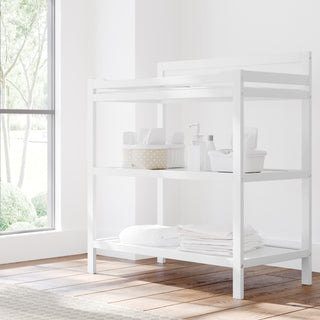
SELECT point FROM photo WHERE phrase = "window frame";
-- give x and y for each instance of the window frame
(51, 115)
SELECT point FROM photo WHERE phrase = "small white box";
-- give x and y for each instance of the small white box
(222, 160)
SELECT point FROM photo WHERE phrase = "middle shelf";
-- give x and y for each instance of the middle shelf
(183, 174)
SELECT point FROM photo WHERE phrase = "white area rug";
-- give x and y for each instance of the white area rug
(19, 303)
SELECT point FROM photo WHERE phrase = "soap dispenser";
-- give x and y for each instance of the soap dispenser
(197, 151)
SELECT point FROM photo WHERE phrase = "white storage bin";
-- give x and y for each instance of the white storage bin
(222, 160)
(153, 156)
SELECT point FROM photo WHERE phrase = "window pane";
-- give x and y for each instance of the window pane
(25, 180)
(24, 54)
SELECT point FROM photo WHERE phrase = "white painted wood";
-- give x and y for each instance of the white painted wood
(237, 194)
(269, 254)
(273, 174)
(160, 181)
(237, 86)
(90, 181)
(275, 77)
(166, 95)
(206, 79)
(161, 81)
(306, 185)
(223, 92)
(274, 94)
(169, 253)
(210, 65)
(265, 255)
(160, 212)
(183, 174)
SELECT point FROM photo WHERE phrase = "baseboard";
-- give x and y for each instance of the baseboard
(42, 245)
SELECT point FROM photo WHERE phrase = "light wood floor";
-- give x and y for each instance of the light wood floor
(177, 289)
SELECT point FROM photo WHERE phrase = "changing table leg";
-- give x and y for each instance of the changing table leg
(91, 181)
(238, 235)
(306, 184)
(306, 235)
(238, 188)
(91, 227)
(92, 260)
(160, 181)
(160, 218)
(306, 276)
(238, 282)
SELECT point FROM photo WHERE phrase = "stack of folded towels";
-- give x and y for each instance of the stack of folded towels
(215, 240)
(150, 235)
(205, 239)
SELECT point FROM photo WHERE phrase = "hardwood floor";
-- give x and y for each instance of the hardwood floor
(178, 289)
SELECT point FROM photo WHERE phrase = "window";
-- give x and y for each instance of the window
(27, 115)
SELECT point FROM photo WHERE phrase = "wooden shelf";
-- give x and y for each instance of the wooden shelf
(267, 254)
(183, 174)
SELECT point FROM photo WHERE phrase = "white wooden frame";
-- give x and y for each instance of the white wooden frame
(213, 80)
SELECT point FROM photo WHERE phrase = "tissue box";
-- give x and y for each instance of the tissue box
(153, 156)
(222, 160)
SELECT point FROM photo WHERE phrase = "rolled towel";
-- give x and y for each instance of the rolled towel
(150, 235)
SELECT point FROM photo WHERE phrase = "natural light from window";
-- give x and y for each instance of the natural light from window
(27, 115)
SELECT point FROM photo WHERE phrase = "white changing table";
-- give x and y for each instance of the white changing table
(213, 80)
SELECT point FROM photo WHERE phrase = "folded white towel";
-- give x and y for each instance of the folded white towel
(215, 239)
(248, 240)
(150, 235)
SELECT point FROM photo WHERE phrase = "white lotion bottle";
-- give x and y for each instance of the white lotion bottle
(210, 147)
(193, 157)
(196, 152)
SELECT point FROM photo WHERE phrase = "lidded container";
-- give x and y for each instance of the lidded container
(222, 160)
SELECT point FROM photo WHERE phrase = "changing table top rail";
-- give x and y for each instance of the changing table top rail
(212, 87)
(207, 81)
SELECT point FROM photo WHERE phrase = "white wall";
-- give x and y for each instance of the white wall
(213, 28)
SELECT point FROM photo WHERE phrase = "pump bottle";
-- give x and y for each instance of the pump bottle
(197, 151)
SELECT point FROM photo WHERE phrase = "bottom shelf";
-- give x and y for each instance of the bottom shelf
(265, 255)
